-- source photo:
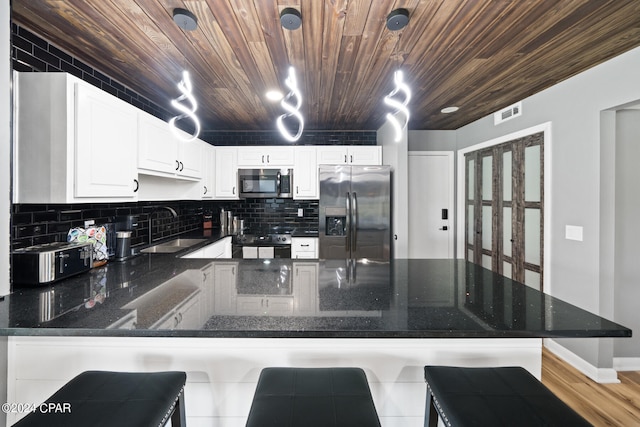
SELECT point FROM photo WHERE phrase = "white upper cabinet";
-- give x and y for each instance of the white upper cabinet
(265, 156)
(160, 153)
(226, 172)
(209, 173)
(74, 142)
(349, 155)
(305, 173)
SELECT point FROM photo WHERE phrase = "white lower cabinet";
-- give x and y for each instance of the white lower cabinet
(305, 289)
(224, 285)
(252, 305)
(304, 247)
(220, 249)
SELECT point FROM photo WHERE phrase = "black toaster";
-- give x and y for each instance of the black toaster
(47, 263)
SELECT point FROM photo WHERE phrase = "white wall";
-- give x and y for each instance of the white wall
(627, 230)
(5, 144)
(574, 108)
(5, 180)
(395, 154)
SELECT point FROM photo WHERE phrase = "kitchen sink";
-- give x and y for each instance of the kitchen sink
(172, 246)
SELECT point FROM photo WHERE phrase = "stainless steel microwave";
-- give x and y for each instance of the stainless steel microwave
(265, 183)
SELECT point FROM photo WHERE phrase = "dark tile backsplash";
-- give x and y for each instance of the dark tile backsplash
(34, 224)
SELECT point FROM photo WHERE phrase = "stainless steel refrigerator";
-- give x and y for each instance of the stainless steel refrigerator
(355, 212)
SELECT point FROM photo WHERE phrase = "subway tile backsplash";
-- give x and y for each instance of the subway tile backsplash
(34, 224)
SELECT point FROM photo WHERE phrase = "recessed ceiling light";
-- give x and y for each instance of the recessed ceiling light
(448, 110)
(274, 95)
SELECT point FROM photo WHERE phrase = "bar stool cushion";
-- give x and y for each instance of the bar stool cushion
(104, 399)
(310, 397)
(505, 396)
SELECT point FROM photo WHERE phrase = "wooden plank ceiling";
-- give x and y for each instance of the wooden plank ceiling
(479, 55)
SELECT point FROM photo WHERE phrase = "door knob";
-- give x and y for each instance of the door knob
(444, 228)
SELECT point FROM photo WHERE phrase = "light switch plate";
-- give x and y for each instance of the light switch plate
(573, 232)
(300, 213)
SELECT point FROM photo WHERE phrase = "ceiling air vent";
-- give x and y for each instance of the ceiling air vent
(508, 113)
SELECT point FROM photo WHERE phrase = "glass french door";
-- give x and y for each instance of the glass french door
(504, 223)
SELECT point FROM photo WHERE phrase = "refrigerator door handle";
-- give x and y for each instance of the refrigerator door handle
(278, 178)
(348, 220)
(354, 221)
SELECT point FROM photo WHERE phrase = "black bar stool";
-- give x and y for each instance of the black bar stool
(105, 399)
(506, 396)
(313, 397)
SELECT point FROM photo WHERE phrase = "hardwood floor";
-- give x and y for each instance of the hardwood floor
(600, 404)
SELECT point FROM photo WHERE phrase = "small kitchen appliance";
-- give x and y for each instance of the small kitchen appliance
(50, 262)
(265, 183)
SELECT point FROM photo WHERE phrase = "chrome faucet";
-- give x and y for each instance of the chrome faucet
(174, 215)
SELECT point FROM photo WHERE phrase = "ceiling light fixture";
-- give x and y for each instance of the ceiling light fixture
(290, 18)
(187, 111)
(449, 110)
(397, 19)
(274, 95)
(291, 110)
(400, 107)
(185, 19)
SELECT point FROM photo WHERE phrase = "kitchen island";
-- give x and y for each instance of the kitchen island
(223, 320)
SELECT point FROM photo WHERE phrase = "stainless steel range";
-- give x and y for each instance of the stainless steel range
(262, 245)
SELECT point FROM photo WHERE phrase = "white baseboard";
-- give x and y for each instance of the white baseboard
(599, 375)
(626, 363)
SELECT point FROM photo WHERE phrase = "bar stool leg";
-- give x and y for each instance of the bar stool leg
(178, 417)
(430, 419)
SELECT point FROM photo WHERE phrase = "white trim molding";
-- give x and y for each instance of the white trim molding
(599, 375)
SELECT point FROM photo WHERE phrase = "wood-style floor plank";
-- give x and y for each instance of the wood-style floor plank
(600, 404)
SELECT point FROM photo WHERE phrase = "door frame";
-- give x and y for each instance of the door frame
(545, 128)
(451, 191)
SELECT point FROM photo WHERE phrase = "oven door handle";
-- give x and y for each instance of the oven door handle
(278, 178)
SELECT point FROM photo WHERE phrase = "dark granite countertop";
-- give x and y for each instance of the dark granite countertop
(164, 295)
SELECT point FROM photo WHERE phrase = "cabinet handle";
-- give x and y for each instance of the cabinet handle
(297, 191)
(177, 165)
(263, 158)
(345, 158)
(351, 158)
(205, 189)
(135, 190)
(305, 246)
(181, 166)
(234, 190)
(268, 161)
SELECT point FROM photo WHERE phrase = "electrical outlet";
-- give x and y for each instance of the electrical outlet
(89, 223)
(300, 213)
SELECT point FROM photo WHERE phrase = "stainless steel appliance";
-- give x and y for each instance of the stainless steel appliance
(46, 263)
(265, 183)
(261, 245)
(355, 212)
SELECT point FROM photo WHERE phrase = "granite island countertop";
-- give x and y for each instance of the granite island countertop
(165, 295)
